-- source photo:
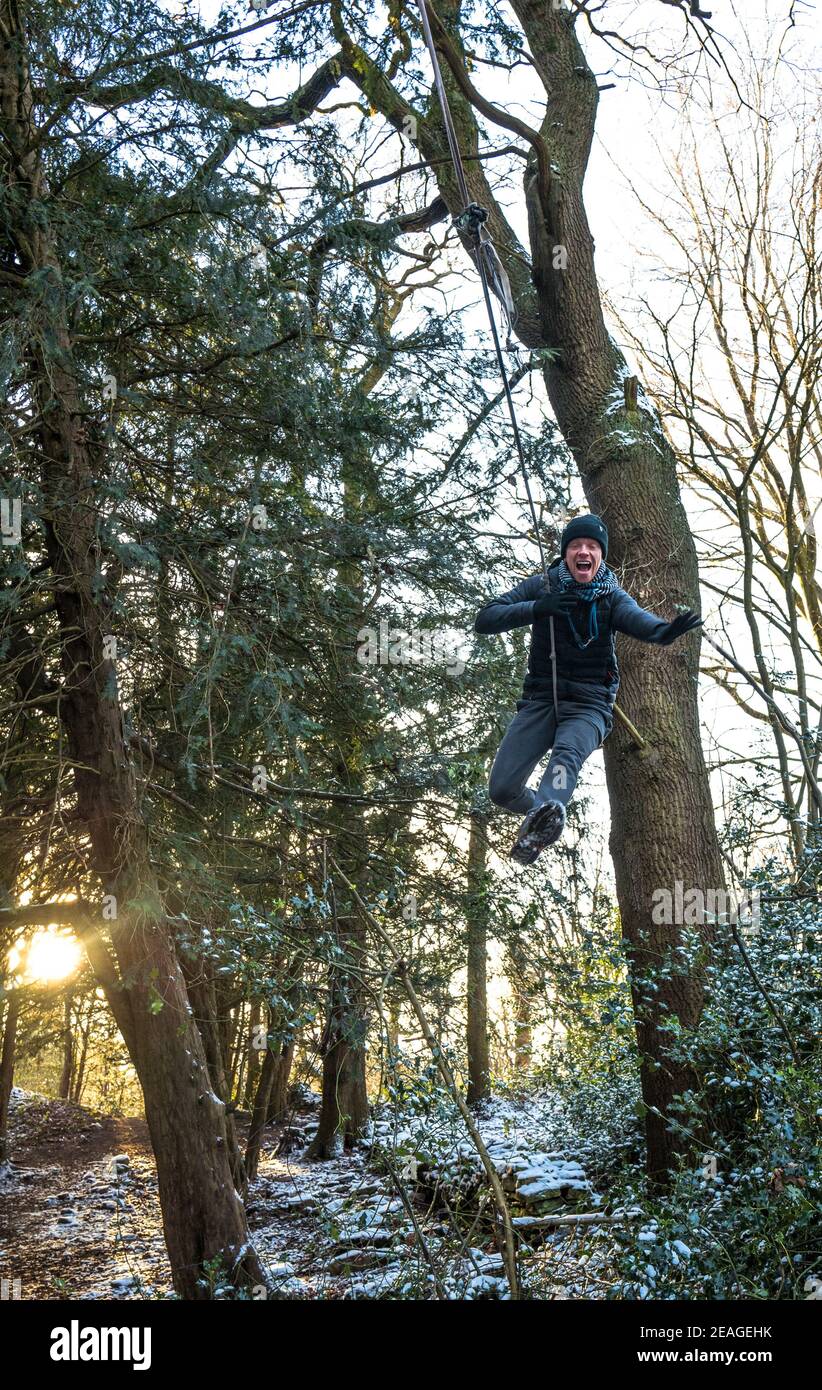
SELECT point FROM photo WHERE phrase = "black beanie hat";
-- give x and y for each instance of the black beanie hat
(592, 527)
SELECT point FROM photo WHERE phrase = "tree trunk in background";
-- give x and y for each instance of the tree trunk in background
(253, 1057)
(228, 1026)
(202, 995)
(521, 991)
(393, 1039)
(80, 1070)
(203, 1218)
(523, 1037)
(344, 1114)
(30, 680)
(344, 1106)
(278, 1099)
(7, 1071)
(270, 1098)
(476, 918)
(259, 1111)
(661, 808)
(68, 1054)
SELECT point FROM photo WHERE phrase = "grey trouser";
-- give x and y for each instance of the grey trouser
(532, 731)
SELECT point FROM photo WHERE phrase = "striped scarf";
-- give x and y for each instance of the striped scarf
(602, 583)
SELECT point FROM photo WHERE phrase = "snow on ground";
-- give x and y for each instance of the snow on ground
(406, 1216)
(380, 1223)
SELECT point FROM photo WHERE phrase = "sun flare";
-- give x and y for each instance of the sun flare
(50, 955)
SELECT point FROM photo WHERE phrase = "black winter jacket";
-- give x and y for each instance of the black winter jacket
(589, 673)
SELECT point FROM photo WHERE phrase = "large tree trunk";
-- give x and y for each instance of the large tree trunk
(661, 807)
(10, 842)
(30, 679)
(203, 1216)
(476, 919)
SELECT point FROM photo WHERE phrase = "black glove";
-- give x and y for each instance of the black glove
(554, 605)
(684, 622)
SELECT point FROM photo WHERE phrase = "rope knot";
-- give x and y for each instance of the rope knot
(471, 218)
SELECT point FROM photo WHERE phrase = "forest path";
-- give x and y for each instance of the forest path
(79, 1215)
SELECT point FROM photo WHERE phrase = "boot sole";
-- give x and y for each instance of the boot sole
(547, 824)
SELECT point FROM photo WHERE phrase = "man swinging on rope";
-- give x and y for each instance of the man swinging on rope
(567, 704)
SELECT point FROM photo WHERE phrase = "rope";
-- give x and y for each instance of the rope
(472, 221)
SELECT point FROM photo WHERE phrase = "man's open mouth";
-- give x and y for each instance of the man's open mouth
(584, 566)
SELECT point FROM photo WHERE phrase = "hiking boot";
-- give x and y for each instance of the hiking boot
(542, 826)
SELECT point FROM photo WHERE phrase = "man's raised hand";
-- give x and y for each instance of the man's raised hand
(684, 622)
